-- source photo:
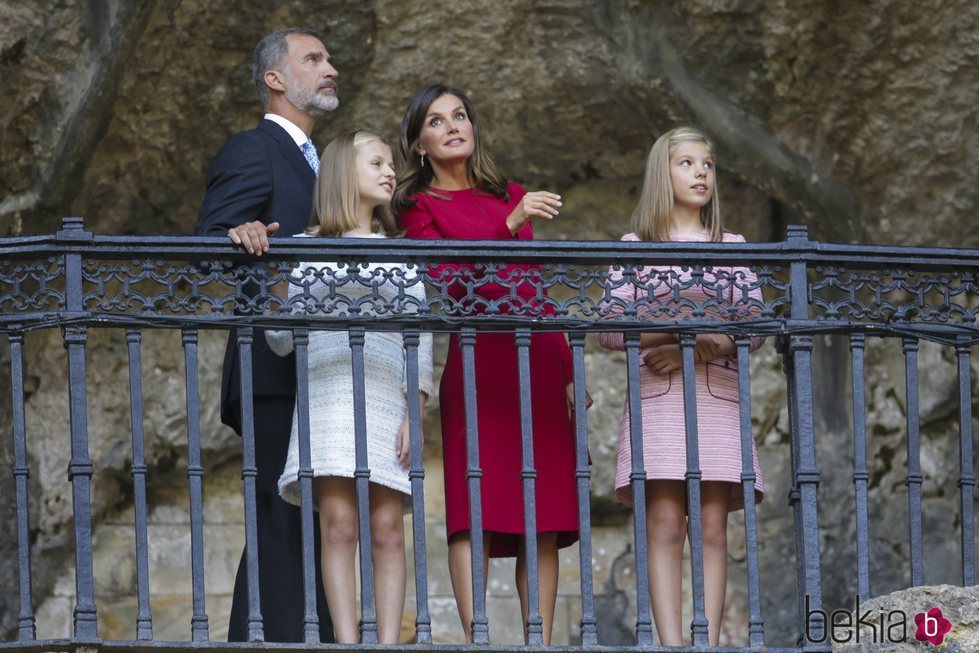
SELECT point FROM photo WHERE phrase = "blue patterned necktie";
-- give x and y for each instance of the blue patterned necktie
(313, 159)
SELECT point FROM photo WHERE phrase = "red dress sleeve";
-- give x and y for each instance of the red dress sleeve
(418, 221)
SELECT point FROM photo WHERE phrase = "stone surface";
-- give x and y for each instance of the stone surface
(857, 119)
(887, 616)
(792, 93)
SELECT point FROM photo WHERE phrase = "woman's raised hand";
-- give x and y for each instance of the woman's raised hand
(538, 204)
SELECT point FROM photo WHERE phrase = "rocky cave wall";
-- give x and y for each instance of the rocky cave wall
(856, 119)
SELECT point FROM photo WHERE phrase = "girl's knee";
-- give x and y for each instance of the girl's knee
(714, 531)
(339, 529)
(387, 532)
(667, 529)
(714, 514)
(338, 523)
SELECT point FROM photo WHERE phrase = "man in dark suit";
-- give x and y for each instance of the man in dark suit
(261, 184)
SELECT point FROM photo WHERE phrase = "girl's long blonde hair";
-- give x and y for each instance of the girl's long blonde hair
(335, 195)
(652, 217)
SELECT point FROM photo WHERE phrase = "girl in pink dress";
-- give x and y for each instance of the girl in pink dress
(451, 189)
(679, 203)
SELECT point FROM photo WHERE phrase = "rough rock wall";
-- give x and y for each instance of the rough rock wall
(857, 119)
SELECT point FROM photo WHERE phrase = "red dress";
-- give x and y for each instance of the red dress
(469, 214)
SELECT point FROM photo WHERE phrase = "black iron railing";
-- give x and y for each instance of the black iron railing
(791, 290)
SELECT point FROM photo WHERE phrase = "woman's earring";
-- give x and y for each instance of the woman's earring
(423, 160)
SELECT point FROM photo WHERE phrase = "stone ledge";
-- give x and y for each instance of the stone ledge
(960, 605)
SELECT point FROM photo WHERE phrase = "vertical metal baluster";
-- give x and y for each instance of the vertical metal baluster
(861, 474)
(756, 624)
(698, 624)
(423, 620)
(80, 467)
(80, 473)
(806, 473)
(644, 624)
(249, 474)
(311, 628)
(26, 623)
(368, 618)
(534, 627)
(794, 496)
(589, 624)
(480, 624)
(195, 473)
(144, 619)
(967, 479)
(914, 461)
(807, 478)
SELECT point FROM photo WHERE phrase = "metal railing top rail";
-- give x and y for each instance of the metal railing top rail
(796, 248)
(794, 287)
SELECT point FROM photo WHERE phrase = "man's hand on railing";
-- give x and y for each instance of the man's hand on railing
(253, 236)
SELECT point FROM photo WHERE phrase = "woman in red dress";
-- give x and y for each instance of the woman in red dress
(451, 189)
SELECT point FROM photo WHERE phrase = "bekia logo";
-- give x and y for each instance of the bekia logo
(874, 626)
(843, 627)
(931, 626)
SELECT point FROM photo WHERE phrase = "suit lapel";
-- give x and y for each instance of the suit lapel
(291, 152)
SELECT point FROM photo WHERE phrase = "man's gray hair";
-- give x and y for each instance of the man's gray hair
(269, 54)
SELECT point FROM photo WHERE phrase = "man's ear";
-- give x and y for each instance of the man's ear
(274, 80)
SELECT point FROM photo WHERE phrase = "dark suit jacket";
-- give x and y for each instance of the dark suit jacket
(258, 175)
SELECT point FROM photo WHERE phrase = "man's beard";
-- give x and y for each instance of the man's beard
(309, 100)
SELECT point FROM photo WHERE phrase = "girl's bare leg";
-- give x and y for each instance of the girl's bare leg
(388, 556)
(714, 496)
(460, 571)
(337, 501)
(666, 531)
(548, 564)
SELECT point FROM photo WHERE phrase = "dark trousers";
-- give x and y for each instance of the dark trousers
(280, 576)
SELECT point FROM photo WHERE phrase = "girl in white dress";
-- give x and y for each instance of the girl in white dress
(352, 199)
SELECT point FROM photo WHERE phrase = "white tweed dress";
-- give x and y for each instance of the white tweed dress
(331, 403)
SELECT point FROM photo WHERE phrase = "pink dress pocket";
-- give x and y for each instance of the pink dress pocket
(722, 380)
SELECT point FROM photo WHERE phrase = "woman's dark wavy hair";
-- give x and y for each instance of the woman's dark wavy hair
(483, 174)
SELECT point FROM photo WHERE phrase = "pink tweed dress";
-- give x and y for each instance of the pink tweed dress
(663, 422)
